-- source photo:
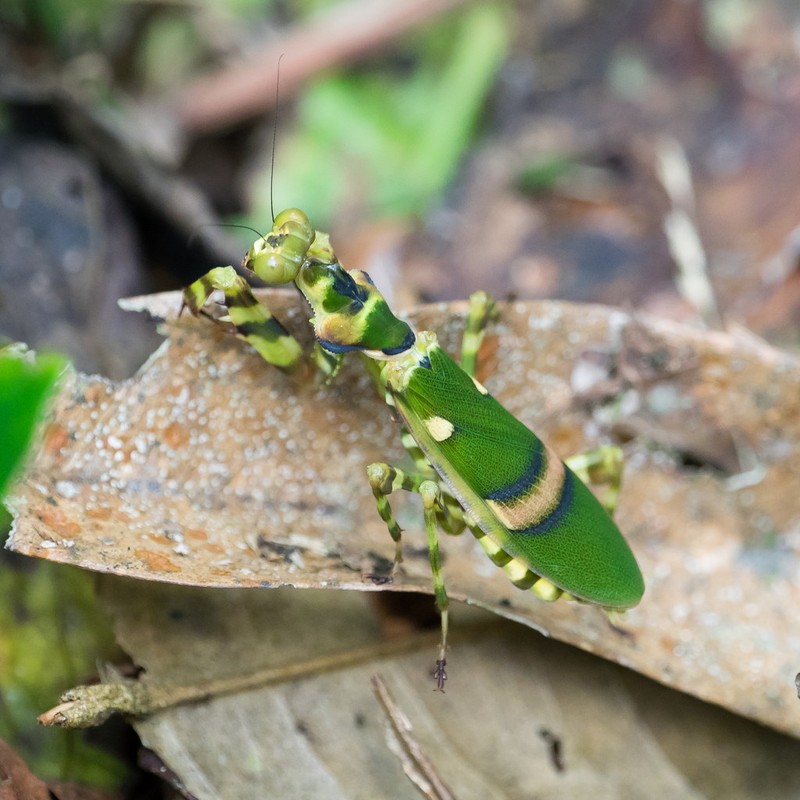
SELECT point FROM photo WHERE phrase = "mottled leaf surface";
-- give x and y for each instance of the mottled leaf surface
(523, 716)
(210, 468)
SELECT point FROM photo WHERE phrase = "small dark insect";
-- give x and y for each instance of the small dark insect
(554, 743)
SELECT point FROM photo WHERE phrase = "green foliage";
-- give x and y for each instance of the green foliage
(65, 24)
(543, 175)
(50, 630)
(392, 139)
(247, 9)
(169, 51)
(24, 386)
(51, 635)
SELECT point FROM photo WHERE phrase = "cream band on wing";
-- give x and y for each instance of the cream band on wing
(536, 504)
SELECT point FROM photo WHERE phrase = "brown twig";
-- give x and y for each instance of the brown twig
(345, 32)
(416, 764)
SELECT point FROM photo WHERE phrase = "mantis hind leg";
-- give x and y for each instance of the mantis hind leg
(440, 510)
(601, 467)
(480, 313)
(516, 570)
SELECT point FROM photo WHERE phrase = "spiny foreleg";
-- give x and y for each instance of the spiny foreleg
(251, 319)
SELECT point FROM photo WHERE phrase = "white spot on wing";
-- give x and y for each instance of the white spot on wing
(480, 387)
(439, 428)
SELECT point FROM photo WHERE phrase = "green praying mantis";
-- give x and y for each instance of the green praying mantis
(476, 466)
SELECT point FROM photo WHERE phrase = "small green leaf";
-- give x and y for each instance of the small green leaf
(24, 387)
(543, 175)
(390, 136)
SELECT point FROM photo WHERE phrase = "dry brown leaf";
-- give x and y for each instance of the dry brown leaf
(17, 782)
(213, 469)
(324, 734)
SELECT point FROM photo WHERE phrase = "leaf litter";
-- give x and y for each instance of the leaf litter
(209, 468)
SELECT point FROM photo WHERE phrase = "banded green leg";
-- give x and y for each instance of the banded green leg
(437, 509)
(252, 320)
(480, 313)
(516, 571)
(417, 456)
(432, 505)
(601, 467)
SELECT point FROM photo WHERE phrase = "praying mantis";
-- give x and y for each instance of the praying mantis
(476, 467)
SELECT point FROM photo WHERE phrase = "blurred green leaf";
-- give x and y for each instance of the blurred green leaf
(255, 9)
(543, 175)
(391, 138)
(24, 387)
(170, 49)
(51, 632)
(66, 24)
(51, 636)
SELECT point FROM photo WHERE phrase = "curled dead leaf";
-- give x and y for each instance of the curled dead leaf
(210, 468)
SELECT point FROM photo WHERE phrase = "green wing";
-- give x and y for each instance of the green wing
(517, 490)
